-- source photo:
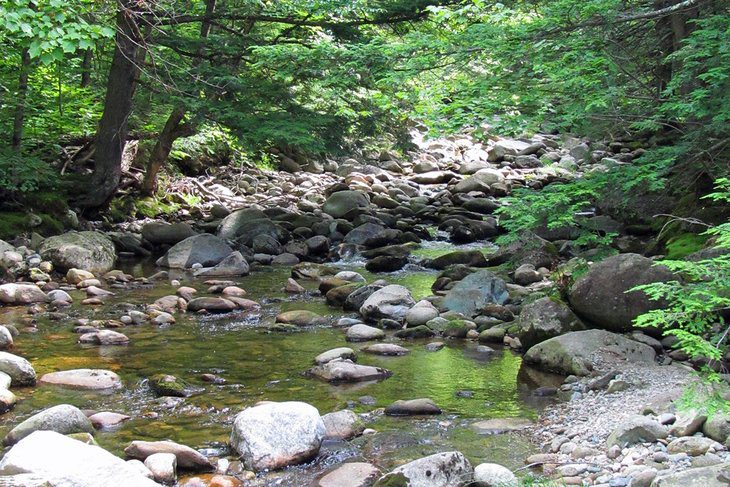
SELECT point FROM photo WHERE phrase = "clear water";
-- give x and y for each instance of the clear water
(262, 365)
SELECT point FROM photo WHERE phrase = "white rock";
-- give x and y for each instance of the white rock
(494, 475)
(19, 369)
(276, 434)
(163, 467)
(66, 462)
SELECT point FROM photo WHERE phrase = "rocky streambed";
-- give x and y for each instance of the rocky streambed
(349, 329)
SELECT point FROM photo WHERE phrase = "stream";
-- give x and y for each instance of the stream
(259, 364)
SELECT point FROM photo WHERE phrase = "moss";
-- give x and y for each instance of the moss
(50, 202)
(392, 480)
(685, 244)
(153, 207)
(168, 385)
(14, 223)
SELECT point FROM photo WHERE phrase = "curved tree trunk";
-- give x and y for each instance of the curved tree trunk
(112, 133)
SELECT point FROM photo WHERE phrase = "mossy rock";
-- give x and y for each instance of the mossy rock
(49, 202)
(13, 223)
(169, 385)
(392, 480)
(421, 331)
(682, 245)
(87, 438)
(284, 328)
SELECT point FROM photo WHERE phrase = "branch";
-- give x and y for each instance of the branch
(185, 19)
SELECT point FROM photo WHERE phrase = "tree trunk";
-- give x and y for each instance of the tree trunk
(174, 127)
(161, 151)
(112, 133)
(86, 68)
(22, 94)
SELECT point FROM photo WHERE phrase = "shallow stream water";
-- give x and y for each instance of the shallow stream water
(262, 365)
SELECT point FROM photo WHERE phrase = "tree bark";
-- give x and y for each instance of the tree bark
(112, 132)
(86, 68)
(22, 94)
(174, 127)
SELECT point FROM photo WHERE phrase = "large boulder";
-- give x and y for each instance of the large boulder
(158, 233)
(359, 235)
(600, 296)
(345, 204)
(21, 372)
(449, 469)
(479, 181)
(544, 319)
(717, 427)
(247, 224)
(528, 248)
(64, 419)
(470, 295)
(90, 251)
(572, 353)
(506, 147)
(391, 302)
(65, 462)
(204, 249)
(273, 435)
(20, 293)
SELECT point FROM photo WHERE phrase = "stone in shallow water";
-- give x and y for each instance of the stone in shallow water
(107, 419)
(163, 467)
(63, 419)
(94, 379)
(21, 372)
(347, 371)
(501, 425)
(186, 457)
(353, 474)
(169, 385)
(300, 317)
(342, 425)
(66, 462)
(335, 353)
(413, 407)
(363, 333)
(449, 469)
(274, 435)
(212, 305)
(388, 349)
(104, 337)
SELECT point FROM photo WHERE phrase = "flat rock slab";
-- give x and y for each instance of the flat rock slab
(388, 349)
(413, 407)
(501, 425)
(91, 379)
(186, 457)
(348, 371)
(335, 353)
(354, 474)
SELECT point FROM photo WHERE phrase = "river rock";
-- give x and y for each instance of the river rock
(21, 372)
(412, 407)
(526, 274)
(636, 429)
(387, 349)
(717, 427)
(187, 457)
(506, 147)
(714, 476)
(421, 313)
(528, 248)
(335, 353)
(64, 419)
(107, 419)
(497, 426)
(277, 434)
(233, 265)
(158, 233)
(163, 467)
(6, 338)
(600, 296)
(75, 276)
(60, 296)
(18, 293)
(363, 333)
(104, 337)
(351, 474)
(204, 249)
(91, 379)
(571, 353)
(348, 371)
(449, 469)
(342, 425)
(471, 258)
(65, 462)
(391, 302)
(211, 305)
(301, 317)
(248, 223)
(90, 251)
(357, 298)
(165, 385)
(544, 319)
(345, 204)
(481, 181)
(474, 292)
(693, 446)
(494, 475)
